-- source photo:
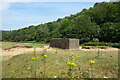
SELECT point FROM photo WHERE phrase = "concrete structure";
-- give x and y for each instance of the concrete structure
(68, 43)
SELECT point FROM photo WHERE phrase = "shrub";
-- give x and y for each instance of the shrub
(117, 45)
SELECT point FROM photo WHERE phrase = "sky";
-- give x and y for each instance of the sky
(20, 14)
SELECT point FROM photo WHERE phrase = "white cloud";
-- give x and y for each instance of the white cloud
(5, 4)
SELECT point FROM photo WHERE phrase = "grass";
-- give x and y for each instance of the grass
(56, 63)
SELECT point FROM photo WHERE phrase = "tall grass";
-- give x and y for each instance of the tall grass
(55, 65)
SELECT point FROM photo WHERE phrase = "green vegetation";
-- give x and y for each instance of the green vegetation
(58, 65)
(101, 22)
(11, 44)
(101, 44)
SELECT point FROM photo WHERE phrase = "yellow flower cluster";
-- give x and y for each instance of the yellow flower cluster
(55, 76)
(105, 77)
(75, 58)
(71, 63)
(71, 54)
(33, 58)
(29, 68)
(36, 57)
(45, 55)
(91, 62)
(89, 69)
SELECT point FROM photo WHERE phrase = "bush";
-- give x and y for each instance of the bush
(117, 45)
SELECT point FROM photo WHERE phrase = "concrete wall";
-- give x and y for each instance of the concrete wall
(73, 43)
(59, 43)
(64, 43)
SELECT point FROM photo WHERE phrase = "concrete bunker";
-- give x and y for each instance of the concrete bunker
(67, 43)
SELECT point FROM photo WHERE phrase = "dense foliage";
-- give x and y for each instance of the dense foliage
(101, 22)
(117, 45)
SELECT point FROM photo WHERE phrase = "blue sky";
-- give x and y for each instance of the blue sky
(24, 14)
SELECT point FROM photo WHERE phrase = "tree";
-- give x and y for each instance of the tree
(110, 32)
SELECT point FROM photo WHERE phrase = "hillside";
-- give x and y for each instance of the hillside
(101, 22)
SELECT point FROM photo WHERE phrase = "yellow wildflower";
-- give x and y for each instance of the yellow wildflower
(71, 54)
(69, 63)
(29, 68)
(77, 56)
(45, 55)
(78, 77)
(73, 59)
(91, 62)
(33, 58)
(55, 76)
(73, 64)
(105, 77)
(89, 69)
(81, 72)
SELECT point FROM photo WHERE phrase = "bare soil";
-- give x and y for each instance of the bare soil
(87, 48)
(16, 50)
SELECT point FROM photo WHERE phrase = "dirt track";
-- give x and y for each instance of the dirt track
(22, 50)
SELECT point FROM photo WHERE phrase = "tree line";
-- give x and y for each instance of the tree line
(102, 21)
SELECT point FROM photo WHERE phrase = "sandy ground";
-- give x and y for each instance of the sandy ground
(17, 51)
(108, 49)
